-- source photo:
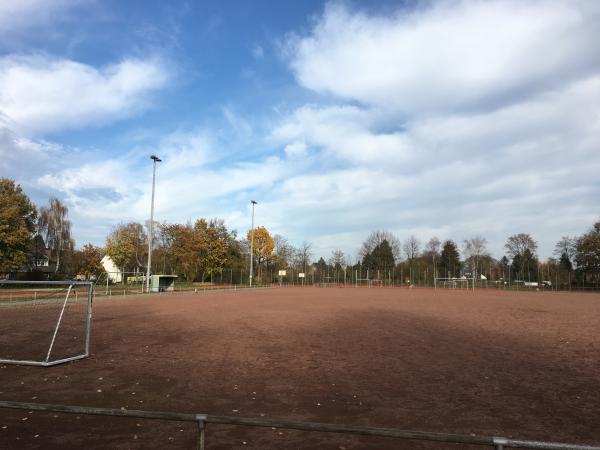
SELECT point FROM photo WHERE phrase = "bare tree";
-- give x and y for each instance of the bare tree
(566, 246)
(338, 262)
(474, 249)
(522, 249)
(433, 248)
(284, 250)
(375, 239)
(518, 243)
(302, 256)
(337, 258)
(411, 249)
(56, 230)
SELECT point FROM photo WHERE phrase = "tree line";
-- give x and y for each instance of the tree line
(36, 242)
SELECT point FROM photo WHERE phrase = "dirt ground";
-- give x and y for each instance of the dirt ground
(524, 365)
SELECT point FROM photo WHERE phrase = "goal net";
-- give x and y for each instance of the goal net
(368, 282)
(453, 283)
(44, 323)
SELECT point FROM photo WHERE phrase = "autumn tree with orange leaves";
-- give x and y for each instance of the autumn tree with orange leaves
(263, 245)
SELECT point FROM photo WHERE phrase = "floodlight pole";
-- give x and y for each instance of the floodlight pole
(155, 159)
(252, 244)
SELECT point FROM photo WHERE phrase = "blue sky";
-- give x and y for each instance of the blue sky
(437, 118)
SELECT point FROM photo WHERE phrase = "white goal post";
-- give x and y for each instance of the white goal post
(453, 283)
(368, 282)
(44, 323)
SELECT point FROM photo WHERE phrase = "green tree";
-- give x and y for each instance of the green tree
(565, 263)
(37, 252)
(213, 240)
(321, 269)
(87, 261)
(517, 267)
(375, 239)
(368, 262)
(504, 267)
(127, 246)
(382, 257)
(450, 260)
(17, 224)
(588, 252)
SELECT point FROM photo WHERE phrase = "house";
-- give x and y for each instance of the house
(112, 271)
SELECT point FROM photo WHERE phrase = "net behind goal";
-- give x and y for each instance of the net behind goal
(44, 323)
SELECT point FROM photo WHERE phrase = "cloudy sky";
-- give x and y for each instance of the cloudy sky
(445, 118)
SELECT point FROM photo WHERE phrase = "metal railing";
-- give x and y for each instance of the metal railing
(498, 443)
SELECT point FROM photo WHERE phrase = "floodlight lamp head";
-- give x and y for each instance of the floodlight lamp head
(155, 158)
(253, 202)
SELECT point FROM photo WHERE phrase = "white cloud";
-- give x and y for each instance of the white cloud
(21, 14)
(26, 159)
(295, 149)
(42, 94)
(448, 55)
(257, 52)
(454, 119)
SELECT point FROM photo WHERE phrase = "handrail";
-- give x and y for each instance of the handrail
(65, 282)
(499, 443)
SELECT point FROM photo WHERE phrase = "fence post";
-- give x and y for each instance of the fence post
(499, 443)
(201, 418)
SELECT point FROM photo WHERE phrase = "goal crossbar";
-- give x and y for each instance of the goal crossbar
(452, 282)
(48, 361)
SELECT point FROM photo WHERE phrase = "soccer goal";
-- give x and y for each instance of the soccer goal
(44, 323)
(453, 283)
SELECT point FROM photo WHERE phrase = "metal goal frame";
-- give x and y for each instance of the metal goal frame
(48, 361)
(454, 283)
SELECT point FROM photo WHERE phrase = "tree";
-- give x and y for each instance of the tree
(411, 249)
(474, 250)
(504, 266)
(337, 260)
(87, 261)
(263, 245)
(302, 257)
(565, 263)
(338, 263)
(284, 252)
(566, 251)
(321, 268)
(37, 252)
(566, 246)
(530, 265)
(381, 258)
(432, 250)
(450, 259)
(375, 239)
(588, 252)
(56, 230)
(127, 246)
(523, 247)
(17, 224)
(213, 239)
(185, 249)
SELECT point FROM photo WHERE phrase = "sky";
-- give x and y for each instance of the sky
(452, 119)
